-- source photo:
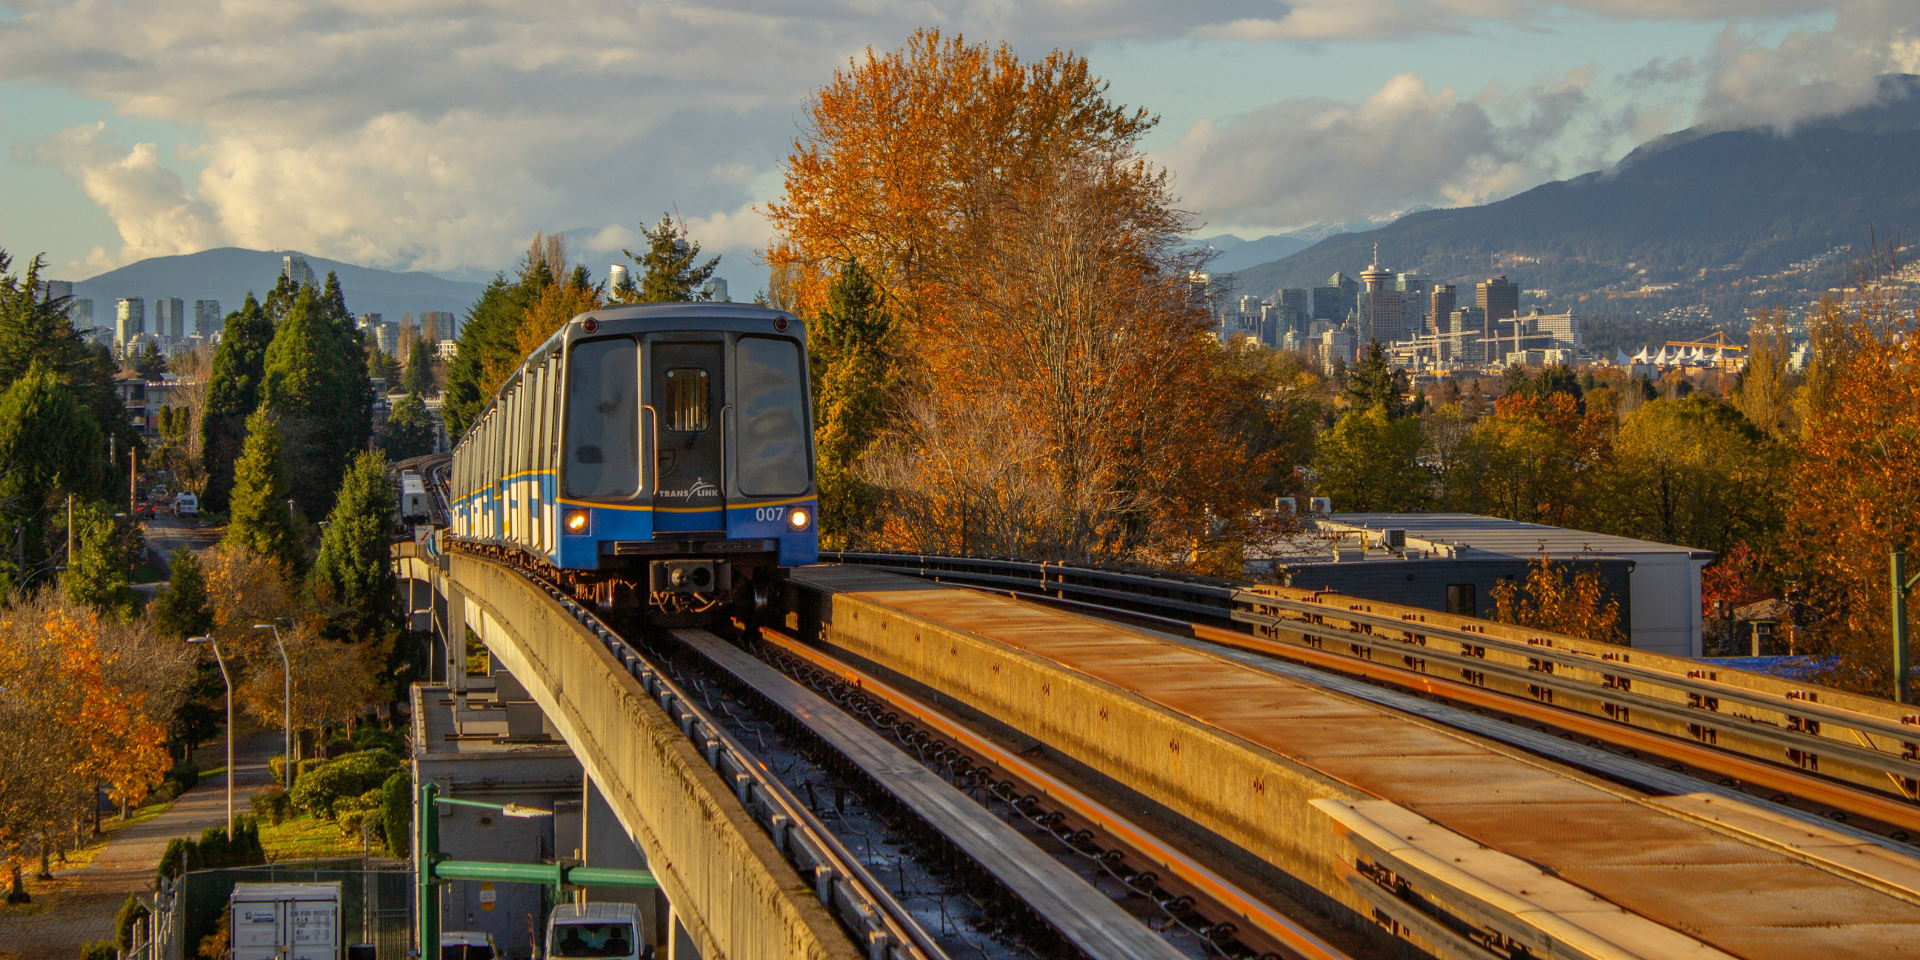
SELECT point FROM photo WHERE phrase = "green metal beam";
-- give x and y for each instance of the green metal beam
(434, 869)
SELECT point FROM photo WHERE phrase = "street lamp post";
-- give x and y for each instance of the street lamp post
(286, 701)
(228, 680)
(1897, 563)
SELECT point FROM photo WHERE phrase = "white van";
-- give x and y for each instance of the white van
(186, 505)
(594, 931)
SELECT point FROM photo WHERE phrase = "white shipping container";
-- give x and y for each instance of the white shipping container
(286, 921)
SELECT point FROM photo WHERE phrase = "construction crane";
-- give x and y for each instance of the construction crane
(1719, 342)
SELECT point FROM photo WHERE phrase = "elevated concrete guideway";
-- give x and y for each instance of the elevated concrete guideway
(730, 889)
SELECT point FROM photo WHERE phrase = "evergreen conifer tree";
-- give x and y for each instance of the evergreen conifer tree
(98, 573)
(418, 376)
(409, 429)
(315, 383)
(233, 392)
(182, 608)
(669, 269)
(383, 366)
(259, 519)
(353, 569)
(35, 331)
(1372, 381)
(490, 343)
(49, 445)
(854, 379)
(150, 363)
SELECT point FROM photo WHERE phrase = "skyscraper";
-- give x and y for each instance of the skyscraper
(294, 267)
(207, 319)
(1498, 299)
(437, 325)
(1443, 301)
(169, 318)
(131, 321)
(1328, 304)
(1299, 304)
(54, 289)
(80, 314)
(1381, 317)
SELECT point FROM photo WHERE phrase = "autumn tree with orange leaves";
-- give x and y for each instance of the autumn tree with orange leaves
(1857, 479)
(1063, 397)
(79, 706)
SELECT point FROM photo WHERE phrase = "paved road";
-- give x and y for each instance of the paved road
(167, 533)
(127, 864)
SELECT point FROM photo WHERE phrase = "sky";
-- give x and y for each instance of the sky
(440, 135)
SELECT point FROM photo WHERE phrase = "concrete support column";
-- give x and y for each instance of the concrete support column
(679, 943)
(454, 635)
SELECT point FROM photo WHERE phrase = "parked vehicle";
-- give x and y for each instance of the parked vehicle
(143, 510)
(467, 945)
(159, 493)
(595, 931)
(186, 505)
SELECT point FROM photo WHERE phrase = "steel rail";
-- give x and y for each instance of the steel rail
(1696, 707)
(1472, 663)
(841, 882)
(1621, 667)
(1271, 923)
(1756, 772)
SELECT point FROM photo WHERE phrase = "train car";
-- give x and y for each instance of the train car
(415, 505)
(658, 454)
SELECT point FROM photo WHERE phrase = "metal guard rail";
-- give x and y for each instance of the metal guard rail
(883, 929)
(1879, 753)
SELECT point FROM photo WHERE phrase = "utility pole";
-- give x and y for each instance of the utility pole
(1901, 584)
(228, 680)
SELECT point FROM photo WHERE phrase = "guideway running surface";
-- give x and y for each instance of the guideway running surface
(1082, 914)
(1716, 885)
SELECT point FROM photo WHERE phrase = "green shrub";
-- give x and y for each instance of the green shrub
(307, 766)
(130, 914)
(278, 764)
(214, 850)
(98, 950)
(326, 786)
(370, 737)
(167, 792)
(369, 807)
(397, 804)
(185, 774)
(270, 804)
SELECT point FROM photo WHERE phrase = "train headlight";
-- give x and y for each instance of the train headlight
(575, 521)
(799, 518)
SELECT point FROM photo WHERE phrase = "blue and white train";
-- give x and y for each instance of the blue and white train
(658, 454)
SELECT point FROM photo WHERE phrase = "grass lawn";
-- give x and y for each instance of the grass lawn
(307, 837)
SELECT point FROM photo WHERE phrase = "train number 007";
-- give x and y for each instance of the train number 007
(769, 514)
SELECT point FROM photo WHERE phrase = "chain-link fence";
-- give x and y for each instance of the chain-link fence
(376, 901)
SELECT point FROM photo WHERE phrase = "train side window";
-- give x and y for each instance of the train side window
(603, 421)
(1460, 599)
(539, 429)
(688, 400)
(554, 379)
(772, 445)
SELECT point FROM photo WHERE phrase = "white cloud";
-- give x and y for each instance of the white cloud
(1305, 160)
(1810, 72)
(437, 134)
(151, 206)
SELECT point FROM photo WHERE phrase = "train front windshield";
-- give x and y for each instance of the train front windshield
(773, 425)
(603, 420)
(591, 940)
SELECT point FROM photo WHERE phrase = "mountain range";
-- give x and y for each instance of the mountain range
(1233, 253)
(228, 274)
(1735, 219)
